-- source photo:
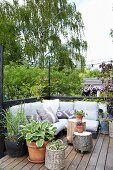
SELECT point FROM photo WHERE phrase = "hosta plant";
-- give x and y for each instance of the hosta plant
(38, 132)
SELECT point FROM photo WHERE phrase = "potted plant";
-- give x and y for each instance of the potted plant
(101, 114)
(15, 144)
(79, 115)
(104, 122)
(79, 127)
(37, 135)
(55, 155)
(111, 128)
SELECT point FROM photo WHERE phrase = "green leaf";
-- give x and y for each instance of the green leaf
(40, 143)
(28, 136)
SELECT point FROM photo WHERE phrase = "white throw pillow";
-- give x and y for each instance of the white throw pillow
(53, 104)
(47, 115)
(91, 115)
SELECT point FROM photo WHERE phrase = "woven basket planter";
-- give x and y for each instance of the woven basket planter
(55, 159)
(111, 129)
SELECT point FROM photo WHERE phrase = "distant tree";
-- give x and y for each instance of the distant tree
(41, 28)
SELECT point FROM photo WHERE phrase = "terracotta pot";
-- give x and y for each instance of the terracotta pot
(36, 155)
(79, 118)
(80, 128)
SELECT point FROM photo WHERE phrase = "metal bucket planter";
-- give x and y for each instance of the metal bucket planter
(16, 149)
(2, 146)
(104, 127)
(55, 159)
(111, 129)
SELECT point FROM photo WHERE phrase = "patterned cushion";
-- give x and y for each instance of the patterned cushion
(47, 115)
(68, 114)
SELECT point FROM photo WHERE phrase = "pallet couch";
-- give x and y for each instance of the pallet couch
(58, 112)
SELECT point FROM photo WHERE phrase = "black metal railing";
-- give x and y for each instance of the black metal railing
(9, 103)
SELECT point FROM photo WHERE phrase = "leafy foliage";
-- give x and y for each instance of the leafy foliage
(80, 113)
(91, 73)
(12, 124)
(56, 145)
(38, 132)
(36, 30)
(24, 82)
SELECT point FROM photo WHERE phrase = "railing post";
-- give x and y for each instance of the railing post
(49, 77)
(1, 104)
(1, 79)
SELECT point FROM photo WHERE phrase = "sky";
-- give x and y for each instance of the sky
(98, 21)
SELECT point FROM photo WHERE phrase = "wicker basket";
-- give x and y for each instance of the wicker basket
(55, 159)
(111, 129)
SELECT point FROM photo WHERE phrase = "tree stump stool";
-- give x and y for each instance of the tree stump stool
(82, 141)
(71, 128)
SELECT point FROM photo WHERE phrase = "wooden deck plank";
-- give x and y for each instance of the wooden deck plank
(15, 162)
(7, 162)
(69, 158)
(4, 159)
(43, 168)
(68, 150)
(94, 157)
(36, 166)
(28, 166)
(21, 164)
(74, 164)
(102, 157)
(86, 157)
(109, 160)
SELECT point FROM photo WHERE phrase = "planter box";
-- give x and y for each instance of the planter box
(55, 159)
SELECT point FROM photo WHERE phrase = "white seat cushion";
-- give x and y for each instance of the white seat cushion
(92, 125)
(90, 108)
(60, 125)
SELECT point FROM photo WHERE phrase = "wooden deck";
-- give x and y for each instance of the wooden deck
(101, 158)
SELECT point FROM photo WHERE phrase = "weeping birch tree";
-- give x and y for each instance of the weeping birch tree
(39, 29)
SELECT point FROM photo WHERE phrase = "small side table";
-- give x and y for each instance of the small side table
(83, 141)
(71, 128)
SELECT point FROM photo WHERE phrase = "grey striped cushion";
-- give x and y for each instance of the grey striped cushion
(47, 115)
